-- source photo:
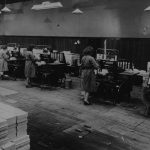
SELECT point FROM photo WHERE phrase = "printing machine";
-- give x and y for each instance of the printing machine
(50, 67)
(50, 71)
(16, 64)
(115, 85)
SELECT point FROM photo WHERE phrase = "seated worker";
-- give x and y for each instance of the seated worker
(29, 66)
(88, 78)
(4, 57)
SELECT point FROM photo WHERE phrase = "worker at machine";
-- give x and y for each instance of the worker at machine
(29, 66)
(88, 78)
(4, 57)
(45, 56)
(50, 49)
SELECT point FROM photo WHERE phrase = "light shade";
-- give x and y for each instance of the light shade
(6, 9)
(146, 9)
(47, 5)
(77, 11)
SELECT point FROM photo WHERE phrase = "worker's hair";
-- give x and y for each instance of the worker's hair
(30, 48)
(88, 50)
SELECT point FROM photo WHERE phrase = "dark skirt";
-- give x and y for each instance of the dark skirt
(146, 96)
(29, 69)
(3, 65)
(88, 80)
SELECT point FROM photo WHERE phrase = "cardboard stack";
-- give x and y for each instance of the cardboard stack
(9, 146)
(13, 128)
(22, 143)
(3, 131)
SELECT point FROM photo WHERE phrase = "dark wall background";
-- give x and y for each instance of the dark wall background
(133, 49)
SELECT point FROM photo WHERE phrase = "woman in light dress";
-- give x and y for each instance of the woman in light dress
(29, 66)
(4, 57)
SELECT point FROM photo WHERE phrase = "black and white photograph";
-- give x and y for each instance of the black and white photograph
(74, 74)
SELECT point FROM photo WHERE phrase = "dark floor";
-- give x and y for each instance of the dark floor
(58, 120)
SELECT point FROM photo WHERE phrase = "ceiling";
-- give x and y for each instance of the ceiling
(110, 4)
(11, 1)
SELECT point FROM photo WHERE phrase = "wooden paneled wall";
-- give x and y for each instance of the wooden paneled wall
(133, 49)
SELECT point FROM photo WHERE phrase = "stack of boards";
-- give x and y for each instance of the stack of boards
(13, 128)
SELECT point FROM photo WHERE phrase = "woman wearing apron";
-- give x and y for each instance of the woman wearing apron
(88, 78)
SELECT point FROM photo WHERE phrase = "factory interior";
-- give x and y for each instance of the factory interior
(74, 75)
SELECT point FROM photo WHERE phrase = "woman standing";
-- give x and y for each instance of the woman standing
(88, 78)
(4, 56)
(29, 66)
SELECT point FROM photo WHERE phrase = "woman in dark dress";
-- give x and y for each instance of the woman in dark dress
(29, 66)
(88, 78)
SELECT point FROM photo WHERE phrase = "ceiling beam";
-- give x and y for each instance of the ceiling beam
(11, 1)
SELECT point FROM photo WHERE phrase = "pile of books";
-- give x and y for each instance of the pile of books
(13, 128)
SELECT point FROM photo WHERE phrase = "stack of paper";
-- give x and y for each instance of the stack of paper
(13, 128)
(20, 115)
(20, 119)
(21, 122)
(3, 131)
(3, 128)
(11, 121)
(22, 143)
(9, 146)
(22, 129)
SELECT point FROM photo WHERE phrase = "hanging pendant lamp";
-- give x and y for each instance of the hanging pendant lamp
(47, 5)
(147, 8)
(77, 11)
(5, 9)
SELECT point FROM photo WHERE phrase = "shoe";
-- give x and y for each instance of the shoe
(87, 103)
(28, 86)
